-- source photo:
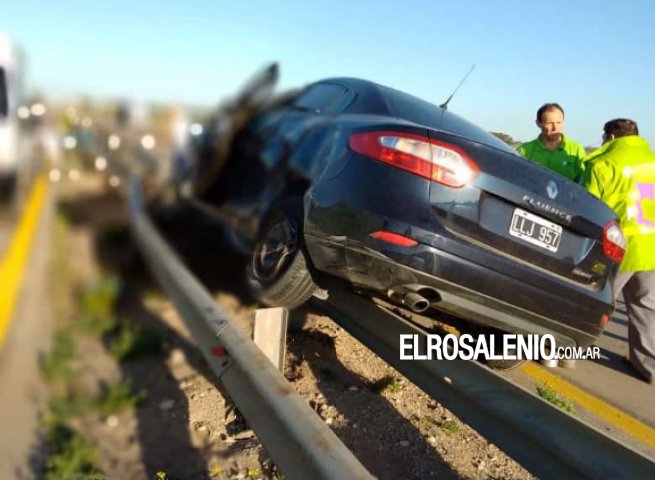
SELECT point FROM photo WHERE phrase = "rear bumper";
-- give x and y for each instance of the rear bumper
(466, 289)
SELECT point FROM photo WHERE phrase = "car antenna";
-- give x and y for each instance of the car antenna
(444, 105)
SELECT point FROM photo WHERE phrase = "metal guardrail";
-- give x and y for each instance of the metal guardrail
(547, 441)
(293, 434)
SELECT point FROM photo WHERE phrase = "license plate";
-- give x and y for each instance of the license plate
(535, 230)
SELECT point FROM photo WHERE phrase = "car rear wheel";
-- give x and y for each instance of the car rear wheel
(278, 271)
(498, 350)
(505, 364)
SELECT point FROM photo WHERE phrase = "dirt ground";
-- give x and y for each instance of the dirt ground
(186, 426)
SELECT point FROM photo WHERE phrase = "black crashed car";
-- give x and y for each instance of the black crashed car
(404, 199)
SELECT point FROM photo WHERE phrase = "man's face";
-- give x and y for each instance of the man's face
(551, 124)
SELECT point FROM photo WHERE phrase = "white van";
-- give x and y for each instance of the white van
(11, 97)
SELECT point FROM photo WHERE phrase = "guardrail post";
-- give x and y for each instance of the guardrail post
(270, 333)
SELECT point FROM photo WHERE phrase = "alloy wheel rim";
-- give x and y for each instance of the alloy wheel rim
(275, 250)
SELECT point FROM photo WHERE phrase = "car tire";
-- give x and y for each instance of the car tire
(505, 364)
(501, 364)
(278, 271)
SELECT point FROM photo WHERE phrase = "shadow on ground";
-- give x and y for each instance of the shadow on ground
(372, 427)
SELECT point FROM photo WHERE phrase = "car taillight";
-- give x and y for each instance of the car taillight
(614, 242)
(394, 239)
(437, 161)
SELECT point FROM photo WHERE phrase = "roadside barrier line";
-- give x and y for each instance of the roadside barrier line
(14, 262)
(607, 412)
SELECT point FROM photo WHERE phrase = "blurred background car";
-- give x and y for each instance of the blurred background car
(11, 97)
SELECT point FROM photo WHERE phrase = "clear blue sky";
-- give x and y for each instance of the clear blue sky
(596, 58)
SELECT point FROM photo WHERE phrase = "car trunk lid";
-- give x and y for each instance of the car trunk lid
(527, 212)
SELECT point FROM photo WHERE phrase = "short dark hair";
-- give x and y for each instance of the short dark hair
(621, 127)
(547, 107)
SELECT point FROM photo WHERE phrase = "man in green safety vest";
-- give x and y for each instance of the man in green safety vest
(622, 173)
(552, 149)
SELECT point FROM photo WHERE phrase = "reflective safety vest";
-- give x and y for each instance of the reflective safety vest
(622, 174)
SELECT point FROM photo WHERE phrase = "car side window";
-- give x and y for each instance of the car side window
(319, 97)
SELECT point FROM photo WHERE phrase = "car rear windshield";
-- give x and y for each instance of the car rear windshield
(409, 107)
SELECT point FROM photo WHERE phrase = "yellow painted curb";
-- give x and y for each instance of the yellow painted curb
(14, 263)
(607, 412)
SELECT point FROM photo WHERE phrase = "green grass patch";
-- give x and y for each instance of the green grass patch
(69, 455)
(253, 472)
(551, 396)
(451, 427)
(429, 421)
(135, 341)
(161, 475)
(63, 408)
(60, 274)
(388, 383)
(153, 295)
(116, 398)
(57, 364)
(97, 304)
(98, 325)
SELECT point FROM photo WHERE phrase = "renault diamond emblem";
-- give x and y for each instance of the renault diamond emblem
(551, 189)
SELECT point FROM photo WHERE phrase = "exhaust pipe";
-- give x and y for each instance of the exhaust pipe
(415, 302)
(415, 297)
